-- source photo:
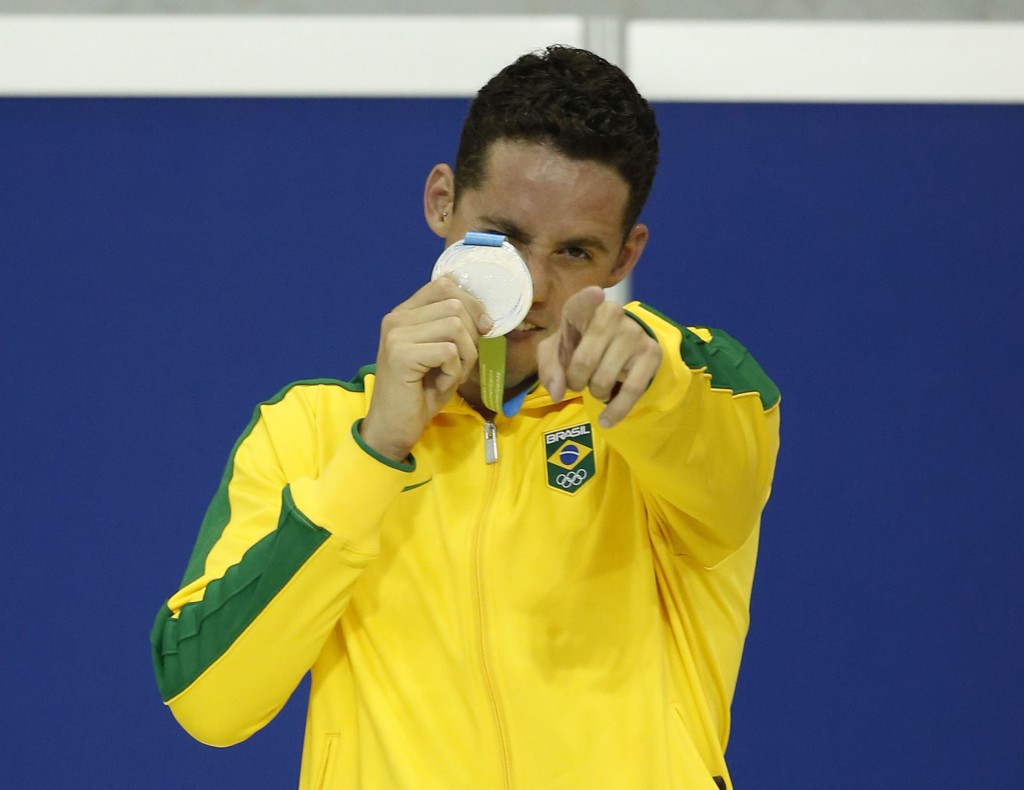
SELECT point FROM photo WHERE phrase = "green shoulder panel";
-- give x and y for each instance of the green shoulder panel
(722, 357)
(219, 512)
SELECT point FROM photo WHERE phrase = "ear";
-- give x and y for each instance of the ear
(439, 198)
(630, 253)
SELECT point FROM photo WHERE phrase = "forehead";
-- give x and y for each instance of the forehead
(528, 181)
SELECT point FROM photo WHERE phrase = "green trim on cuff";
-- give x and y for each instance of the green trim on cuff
(643, 325)
(408, 466)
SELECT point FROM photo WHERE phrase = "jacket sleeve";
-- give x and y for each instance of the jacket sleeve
(284, 539)
(702, 441)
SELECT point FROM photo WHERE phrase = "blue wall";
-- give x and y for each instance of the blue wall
(166, 264)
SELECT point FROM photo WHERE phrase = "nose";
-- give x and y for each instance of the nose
(538, 273)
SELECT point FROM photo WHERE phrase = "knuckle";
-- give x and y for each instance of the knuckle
(602, 383)
(446, 285)
(453, 305)
(582, 362)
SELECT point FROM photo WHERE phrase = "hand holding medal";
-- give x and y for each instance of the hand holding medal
(486, 266)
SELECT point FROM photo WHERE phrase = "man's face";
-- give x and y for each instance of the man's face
(565, 218)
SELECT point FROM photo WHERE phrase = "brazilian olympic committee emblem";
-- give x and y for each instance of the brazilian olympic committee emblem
(570, 454)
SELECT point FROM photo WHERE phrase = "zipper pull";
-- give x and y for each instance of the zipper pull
(490, 442)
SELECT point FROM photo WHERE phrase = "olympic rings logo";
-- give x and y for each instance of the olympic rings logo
(570, 479)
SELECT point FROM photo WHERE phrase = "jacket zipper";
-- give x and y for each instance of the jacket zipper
(490, 457)
(490, 442)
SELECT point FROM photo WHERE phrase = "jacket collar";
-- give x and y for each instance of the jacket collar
(536, 398)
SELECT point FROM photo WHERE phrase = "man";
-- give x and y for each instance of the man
(569, 616)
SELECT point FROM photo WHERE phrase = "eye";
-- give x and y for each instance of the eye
(576, 252)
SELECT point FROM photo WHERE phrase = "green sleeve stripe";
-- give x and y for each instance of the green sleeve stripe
(218, 514)
(728, 363)
(185, 647)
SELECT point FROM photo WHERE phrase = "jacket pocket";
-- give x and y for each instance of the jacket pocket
(719, 781)
(327, 761)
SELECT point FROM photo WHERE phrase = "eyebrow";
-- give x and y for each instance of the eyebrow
(507, 227)
(512, 230)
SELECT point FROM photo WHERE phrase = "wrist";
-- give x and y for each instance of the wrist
(382, 444)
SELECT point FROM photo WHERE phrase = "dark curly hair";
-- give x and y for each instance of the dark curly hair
(574, 100)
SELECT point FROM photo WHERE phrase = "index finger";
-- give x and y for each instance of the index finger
(577, 312)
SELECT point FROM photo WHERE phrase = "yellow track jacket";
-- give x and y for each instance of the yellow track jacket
(571, 615)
